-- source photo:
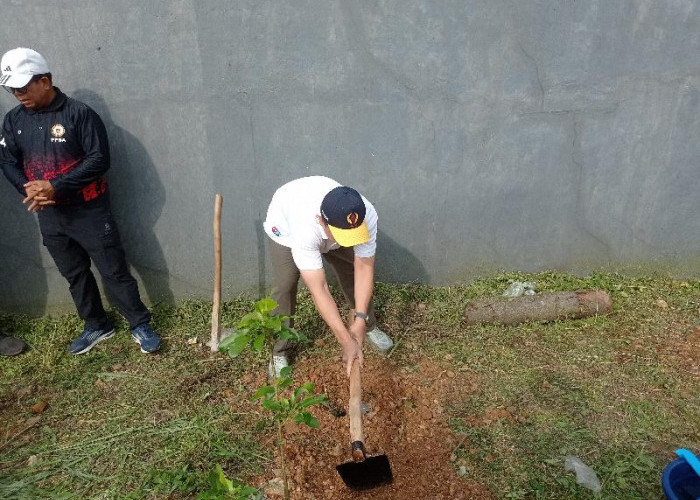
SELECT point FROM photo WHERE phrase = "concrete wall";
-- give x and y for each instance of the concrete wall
(490, 134)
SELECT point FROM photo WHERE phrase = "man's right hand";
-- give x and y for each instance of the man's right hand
(358, 330)
(39, 202)
(315, 280)
(351, 350)
(39, 195)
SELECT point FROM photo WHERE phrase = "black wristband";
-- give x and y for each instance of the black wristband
(362, 315)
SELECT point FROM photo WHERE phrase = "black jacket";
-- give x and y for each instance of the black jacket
(65, 143)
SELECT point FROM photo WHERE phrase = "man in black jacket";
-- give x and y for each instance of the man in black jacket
(54, 150)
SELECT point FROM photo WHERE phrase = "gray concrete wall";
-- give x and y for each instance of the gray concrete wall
(490, 134)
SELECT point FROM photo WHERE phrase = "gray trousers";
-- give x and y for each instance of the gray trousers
(286, 282)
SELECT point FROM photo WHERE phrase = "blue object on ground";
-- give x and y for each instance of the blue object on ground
(149, 340)
(690, 458)
(681, 478)
(90, 337)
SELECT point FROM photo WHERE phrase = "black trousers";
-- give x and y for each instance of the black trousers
(74, 235)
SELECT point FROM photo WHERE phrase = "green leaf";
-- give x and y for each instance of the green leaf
(283, 383)
(273, 323)
(218, 481)
(226, 484)
(237, 345)
(264, 392)
(266, 304)
(304, 389)
(285, 335)
(300, 337)
(271, 404)
(286, 372)
(250, 319)
(291, 334)
(224, 344)
(322, 398)
(220, 487)
(259, 342)
(309, 420)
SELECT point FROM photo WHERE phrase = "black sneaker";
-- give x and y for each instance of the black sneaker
(90, 337)
(146, 338)
(10, 346)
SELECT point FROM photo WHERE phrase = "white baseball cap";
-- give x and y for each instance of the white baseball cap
(18, 66)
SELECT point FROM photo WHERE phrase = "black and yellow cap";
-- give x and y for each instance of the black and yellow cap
(344, 212)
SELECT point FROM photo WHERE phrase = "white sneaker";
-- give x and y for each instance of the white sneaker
(380, 340)
(277, 362)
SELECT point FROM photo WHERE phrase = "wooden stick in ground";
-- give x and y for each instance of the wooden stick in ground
(541, 307)
(216, 308)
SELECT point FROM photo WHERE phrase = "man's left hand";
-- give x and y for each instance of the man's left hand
(39, 195)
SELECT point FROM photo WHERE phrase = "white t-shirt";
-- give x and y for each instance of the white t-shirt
(291, 221)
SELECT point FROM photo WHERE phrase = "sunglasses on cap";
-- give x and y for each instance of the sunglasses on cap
(23, 90)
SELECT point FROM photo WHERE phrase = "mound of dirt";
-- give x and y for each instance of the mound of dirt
(406, 422)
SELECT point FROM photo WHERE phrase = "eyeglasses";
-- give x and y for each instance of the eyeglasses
(23, 90)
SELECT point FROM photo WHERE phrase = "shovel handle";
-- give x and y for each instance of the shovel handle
(355, 411)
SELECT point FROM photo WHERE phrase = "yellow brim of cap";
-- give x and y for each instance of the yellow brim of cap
(350, 237)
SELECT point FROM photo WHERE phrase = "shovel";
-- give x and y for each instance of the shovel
(362, 472)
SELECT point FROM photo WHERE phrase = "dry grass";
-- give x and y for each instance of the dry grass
(618, 391)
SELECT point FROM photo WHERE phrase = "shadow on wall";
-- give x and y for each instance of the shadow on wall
(23, 286)
(395, 264)
(137, 197)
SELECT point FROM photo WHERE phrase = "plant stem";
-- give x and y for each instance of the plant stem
(280, 438)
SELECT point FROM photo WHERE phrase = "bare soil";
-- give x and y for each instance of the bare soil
(688, 352)
(407, 422)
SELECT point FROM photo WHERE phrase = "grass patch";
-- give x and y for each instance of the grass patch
(616, 391)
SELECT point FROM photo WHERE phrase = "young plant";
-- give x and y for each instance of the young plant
(257, 329)
(222, 488)
(260, 327)
(285, 409)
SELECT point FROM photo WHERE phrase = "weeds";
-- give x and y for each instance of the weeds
(220, 487)
(619, 391)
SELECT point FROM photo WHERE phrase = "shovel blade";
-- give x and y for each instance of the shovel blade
(370, 473)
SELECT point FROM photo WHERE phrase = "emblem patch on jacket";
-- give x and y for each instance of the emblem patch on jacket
(58, 130)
